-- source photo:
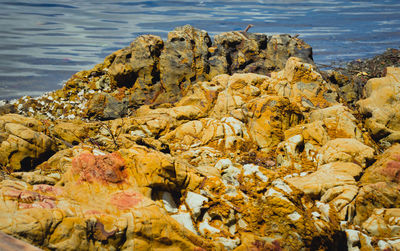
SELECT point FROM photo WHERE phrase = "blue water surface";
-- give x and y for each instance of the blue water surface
(42, 43)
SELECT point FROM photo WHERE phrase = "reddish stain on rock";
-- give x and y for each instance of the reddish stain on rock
(48, 204)
(126, 200)
(48, 189)
(26, 196)
(392, 169)
(92, 211)
(13, 193)
(259, 245)
(107, 168)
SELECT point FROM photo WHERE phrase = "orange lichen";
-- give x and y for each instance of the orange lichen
(214, 185)
(120, 93)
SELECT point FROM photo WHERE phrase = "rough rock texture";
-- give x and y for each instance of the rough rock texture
(334, 182)
(23, 143)
(217, 153)
(183, 61)
(151, 71)
(350, 78)
(382, 107)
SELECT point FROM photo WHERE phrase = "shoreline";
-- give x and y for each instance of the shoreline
(237, 144)
(347, 68)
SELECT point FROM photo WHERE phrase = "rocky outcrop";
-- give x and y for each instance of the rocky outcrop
(377, 201)
(184, 145)
(96, 203)
(183, 62)
(151, 71)
(381, 107)
(351, 77)
(23, 143)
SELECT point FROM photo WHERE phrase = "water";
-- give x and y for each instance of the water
(42, 42)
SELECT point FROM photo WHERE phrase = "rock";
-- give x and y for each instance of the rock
(185, 220)
(100, 168)
(36, 177)
(383, 223)
(170, 175)
(269, 117)
(195, 201)
(7, 108)
(103, 106)
(169, 203)
(246, 52)
(381, 106)
(303, 84)
(375, 196)
(228, 133)
(10, 243)
(303, 142)
(24, 143)
(386, 168)
(354, 75)
(339, 122)
(356, 238)
(153, 72)
(234, 92)
(298, 71)
(380, 185)
(190, 144)
(104, 187)
(183, 61)
(327, 176)
(138, 65)
(332, 183)
(73, 133)
(342, 149)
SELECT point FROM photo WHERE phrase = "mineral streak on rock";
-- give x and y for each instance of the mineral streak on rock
(239, 143)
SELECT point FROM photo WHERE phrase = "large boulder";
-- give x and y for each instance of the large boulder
(332, 183)
(23, 143)
(344, 149)
(138, 64)
(381, 107)
(252, 52)
(98, 202)
(300, 81)
(303, 142)
(183, 61)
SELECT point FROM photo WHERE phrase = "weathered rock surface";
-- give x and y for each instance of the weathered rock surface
(349, 150)
(382, 107)
(351, 77)
(301, 82)
(24, 143)
(190, 144)
(151, 71)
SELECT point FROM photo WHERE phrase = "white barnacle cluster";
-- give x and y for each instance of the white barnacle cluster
(52, 107)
